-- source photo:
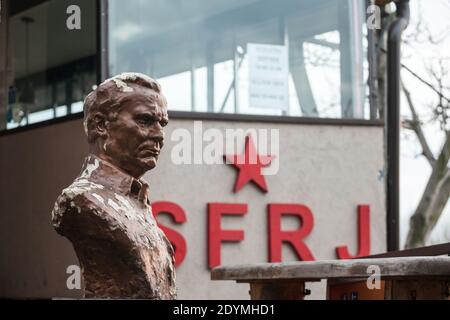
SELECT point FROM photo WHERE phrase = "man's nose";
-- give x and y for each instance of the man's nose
(157, 135)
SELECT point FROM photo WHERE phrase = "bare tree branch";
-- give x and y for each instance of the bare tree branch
(426, 83)
(415, 75)
(416, 126)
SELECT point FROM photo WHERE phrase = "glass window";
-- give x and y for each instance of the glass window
(271, 57)
(51, 68)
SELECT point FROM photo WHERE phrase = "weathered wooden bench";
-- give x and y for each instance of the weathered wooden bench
(400, 278)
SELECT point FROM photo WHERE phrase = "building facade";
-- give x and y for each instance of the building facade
(292, 78)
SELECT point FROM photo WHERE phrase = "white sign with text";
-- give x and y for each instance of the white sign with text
(268, 76)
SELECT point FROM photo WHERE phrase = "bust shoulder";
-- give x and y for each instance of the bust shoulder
(81, 200)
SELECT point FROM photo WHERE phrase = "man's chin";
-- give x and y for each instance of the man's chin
(148, 162)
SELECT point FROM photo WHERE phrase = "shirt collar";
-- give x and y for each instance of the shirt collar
(102, 172)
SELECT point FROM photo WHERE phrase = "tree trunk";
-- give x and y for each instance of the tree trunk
(433, 201)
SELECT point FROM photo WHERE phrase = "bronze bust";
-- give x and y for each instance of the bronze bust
(105, 212)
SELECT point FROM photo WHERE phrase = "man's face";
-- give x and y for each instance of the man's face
(136, 137)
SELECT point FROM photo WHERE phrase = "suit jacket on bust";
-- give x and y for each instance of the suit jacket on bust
(107, 216)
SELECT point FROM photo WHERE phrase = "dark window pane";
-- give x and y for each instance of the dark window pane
(228, 55)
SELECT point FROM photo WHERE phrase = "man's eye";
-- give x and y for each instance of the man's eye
(144, 120)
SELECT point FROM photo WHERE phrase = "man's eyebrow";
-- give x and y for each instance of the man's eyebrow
(146, 114)
(152, 114)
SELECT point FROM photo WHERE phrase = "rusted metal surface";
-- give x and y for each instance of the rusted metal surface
(106, 212)
(355, 290)
(420, 289)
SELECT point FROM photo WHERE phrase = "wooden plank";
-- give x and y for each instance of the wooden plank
(277, 290)
(334, 269)
(434, 250)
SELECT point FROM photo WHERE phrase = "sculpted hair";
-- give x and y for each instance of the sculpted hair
(107, 98)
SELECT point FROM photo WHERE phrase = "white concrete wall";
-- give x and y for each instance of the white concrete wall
(330, 169)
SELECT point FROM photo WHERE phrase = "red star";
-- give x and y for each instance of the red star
(249, 165)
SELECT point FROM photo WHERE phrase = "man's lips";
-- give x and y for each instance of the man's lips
(148, 152)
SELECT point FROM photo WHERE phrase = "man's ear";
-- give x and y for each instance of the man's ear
(100, 125)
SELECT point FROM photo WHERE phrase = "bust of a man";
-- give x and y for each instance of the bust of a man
(105, 212)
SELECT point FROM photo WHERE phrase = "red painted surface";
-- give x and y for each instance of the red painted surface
(363, 236)
(178, 216)
(276, 236)
(294, 237)
(215, 233)
(249, 165)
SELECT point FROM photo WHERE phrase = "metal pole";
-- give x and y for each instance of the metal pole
(393, 123)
